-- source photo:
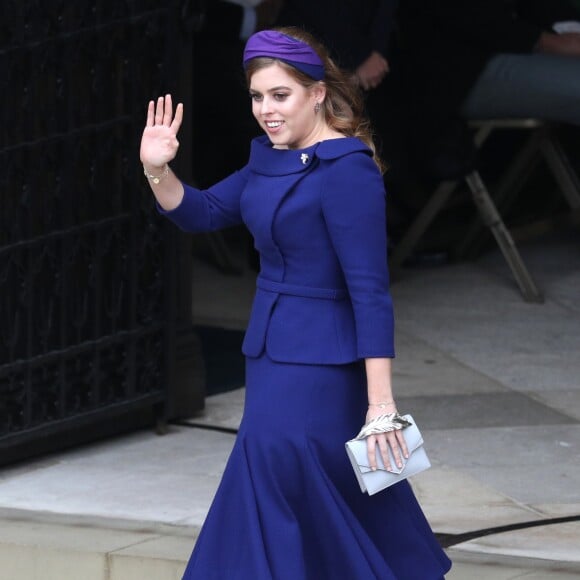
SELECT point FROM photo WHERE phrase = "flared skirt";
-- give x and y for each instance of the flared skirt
(289, 507)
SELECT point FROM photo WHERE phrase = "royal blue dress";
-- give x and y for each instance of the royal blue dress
(289, 506)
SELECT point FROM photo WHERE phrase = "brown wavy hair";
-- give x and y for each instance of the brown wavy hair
(343, 106)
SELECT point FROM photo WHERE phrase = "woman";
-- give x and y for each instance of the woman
(320, 338)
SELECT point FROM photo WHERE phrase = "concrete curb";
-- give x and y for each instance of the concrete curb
(42, 546)
(45, 546)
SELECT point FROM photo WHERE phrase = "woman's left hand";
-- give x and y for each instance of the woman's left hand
(383, 441)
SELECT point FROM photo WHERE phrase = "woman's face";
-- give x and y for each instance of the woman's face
(285, 109)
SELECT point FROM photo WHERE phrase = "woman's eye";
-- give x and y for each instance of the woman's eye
(255, 97)
(280, 96)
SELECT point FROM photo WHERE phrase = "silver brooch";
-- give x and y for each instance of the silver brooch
(304, 158)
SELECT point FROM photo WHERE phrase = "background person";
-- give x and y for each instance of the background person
(484, 59)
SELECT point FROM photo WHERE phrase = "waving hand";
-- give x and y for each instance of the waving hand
(159, 146)
(159, 143)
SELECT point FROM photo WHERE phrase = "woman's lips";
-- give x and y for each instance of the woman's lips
(273, 126)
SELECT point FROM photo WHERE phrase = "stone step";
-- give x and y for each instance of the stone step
(41, 546)
(53, 547)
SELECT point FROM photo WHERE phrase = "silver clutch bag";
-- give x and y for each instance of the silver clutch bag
(375, 481)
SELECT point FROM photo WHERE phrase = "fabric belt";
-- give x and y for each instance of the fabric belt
(304, 291)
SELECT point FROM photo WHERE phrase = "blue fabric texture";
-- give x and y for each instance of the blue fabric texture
(289, 506)
(318, 219)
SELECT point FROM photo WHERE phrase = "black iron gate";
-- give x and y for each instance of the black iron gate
(87, 324)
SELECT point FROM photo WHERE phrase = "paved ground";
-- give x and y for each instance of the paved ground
(493, 382)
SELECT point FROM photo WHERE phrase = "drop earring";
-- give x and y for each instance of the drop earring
(317, 107)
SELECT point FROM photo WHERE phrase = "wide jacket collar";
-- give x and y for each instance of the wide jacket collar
(266, 160)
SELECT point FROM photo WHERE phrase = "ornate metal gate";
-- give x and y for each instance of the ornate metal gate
(86, 280)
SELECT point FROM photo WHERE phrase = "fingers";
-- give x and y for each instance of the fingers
(402, 443)
(393, 441)
(168, 112)
(371, 452)
(176, 124)
(395, 449)
(164, 111)
(383, 444)
(161, 113)
(384, 452)
(150, 114)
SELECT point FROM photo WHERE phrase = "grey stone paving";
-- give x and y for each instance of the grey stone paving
(478, 410)
(528, 464)
(168, 479)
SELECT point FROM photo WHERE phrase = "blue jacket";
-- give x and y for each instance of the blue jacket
(318, 220)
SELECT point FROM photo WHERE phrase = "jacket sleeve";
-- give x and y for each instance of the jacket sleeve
(353, 205)
(211, 209)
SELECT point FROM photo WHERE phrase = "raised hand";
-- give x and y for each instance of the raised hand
(159, 143)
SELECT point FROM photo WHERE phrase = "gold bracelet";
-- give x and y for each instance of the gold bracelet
(382, 404)
(156, 178)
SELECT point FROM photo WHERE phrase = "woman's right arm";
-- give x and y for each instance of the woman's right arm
(159, 146)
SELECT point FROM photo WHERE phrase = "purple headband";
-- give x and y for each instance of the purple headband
(273, 44)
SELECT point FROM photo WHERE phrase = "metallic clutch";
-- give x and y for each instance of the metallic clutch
(375, 481)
